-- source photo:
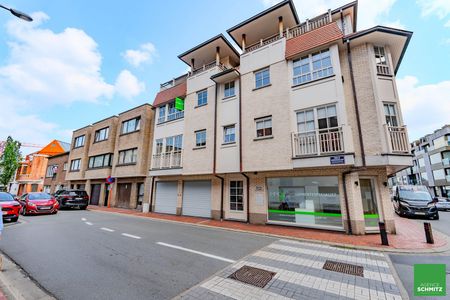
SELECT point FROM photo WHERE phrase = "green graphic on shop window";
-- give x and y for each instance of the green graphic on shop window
(319, 214)
(429, 280)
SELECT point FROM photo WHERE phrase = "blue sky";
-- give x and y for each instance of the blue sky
(81, 61)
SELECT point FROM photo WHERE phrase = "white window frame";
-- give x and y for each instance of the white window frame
(308, 71)
(162, 114)
(265, 78)
(202, 97)
(389, 117)
(227, 136)
(229, 89)
(65, 166)
(264, 124)
(202, 135)
(381, 60)
(236, 192)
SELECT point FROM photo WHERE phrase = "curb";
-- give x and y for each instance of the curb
(342, 245)
(18, 284)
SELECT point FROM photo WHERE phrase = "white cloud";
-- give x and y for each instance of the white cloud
(447, 24)
(127, 85)
(425, 107)
(370, 12)
(439, 8)
(46, 69)
(145, 53)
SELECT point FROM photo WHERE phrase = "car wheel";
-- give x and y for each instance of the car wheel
(83, 207)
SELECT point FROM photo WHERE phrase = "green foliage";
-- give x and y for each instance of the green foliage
(9, 161)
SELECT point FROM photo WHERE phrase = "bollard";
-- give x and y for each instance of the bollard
(428, 232)
(383, 234)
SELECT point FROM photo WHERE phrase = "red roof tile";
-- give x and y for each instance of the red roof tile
(313, 39)
(171, 93)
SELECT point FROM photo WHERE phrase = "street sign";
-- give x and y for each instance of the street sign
(337, 160)
(110, 180)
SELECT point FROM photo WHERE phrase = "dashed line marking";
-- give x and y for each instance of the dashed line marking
(83, 219)
(197, 252)
(107, 229)
(88, 223)
(131, 236)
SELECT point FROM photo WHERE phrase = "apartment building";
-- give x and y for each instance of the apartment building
(431, 163)
(55, 175)
(301, 126)
(32, 170)
(117, 147)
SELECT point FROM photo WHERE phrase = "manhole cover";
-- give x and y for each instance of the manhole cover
(253, 276)
(343, 268)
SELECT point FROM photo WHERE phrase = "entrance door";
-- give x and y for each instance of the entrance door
(95, 194)
(369, 201)
(124, 194)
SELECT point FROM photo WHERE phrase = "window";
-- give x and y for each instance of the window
(131, 125)
(237, 195)
(127, 156)
(229, 89)
(100, 161)
(79, 141)
(159, 146)
(101, 134)
(174, 143)
(313, 66)
(140, 194)
(262, 78)
(200, 138)
(326, 117)
(51, 171)
(173, 113)
(24, 170)
(380, 60)
(264, 127)
(202, 98)
(390, 114)
(162, 114)
(229, 135)
(75, 164)
(65, 167)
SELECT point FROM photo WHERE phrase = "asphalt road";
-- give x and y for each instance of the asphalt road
(404, 264)
(95, 255)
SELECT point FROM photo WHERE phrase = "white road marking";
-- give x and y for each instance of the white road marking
(88, 223)
(83, 219)
(131, 236)
(107, 229)
(197, 252)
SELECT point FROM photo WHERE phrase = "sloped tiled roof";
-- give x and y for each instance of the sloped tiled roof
(171, 93)
(313, 39)
(65, 146)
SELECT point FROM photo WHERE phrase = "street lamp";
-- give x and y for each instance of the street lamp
(18, 13)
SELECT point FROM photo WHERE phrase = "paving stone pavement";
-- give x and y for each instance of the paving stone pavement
(299, 275)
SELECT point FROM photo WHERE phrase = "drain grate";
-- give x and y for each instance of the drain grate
(253, 276)
(344, 268)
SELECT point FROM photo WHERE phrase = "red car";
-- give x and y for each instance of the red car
(10, 207)
(38, 203)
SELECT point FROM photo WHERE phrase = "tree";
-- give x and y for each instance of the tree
(9, 161)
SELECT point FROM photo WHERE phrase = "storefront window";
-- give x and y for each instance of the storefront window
(308, 201)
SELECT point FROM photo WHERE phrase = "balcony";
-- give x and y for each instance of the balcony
(207, 67)
(318, 142)
(397, 137)
(290, 33)
(167, 160)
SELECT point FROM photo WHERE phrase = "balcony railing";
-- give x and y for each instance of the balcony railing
(383, 70)
(397, 139)
(290, 33)
(318, 142)
(207, 67)
(167, 160)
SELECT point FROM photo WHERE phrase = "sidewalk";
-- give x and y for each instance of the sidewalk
(410, 235)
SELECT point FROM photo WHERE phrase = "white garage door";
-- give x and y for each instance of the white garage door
(166, 197)
(197, 199)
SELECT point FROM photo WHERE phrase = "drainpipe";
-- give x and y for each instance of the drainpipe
(240, 151)
(222, 180)
(152, 184)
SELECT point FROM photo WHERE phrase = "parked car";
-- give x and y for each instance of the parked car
(10, 207)
(73, 198)
(443, 203)
(38, 203)
(414, 200)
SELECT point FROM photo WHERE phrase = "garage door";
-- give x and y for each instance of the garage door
(166, 197)
(197, 199)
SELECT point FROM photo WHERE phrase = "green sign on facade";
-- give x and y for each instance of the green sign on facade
(179, 103)
(429, 280)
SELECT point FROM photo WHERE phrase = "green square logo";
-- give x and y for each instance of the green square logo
(429, 280)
